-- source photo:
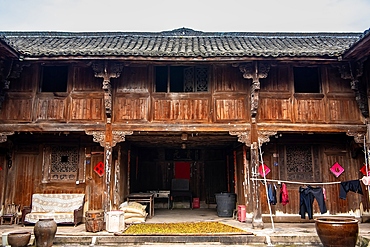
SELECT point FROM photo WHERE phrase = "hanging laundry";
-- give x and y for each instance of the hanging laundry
(366, 180)
(284, 198)
(324, 193)
(271, 194)
(352, 185)
(306, 198)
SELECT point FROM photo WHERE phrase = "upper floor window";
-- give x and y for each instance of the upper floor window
(181, 79)
(54, 79)
(307, 80)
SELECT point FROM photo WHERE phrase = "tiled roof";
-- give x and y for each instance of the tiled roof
(182, 42)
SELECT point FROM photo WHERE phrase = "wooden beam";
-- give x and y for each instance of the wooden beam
(267, 126)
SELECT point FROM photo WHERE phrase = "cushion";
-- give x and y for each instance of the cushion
(44, 203)
(58, 217)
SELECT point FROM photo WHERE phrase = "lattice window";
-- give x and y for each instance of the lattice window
(299, 163)
(201, 79)
(189, 79)
(181, 79)
(62, 164)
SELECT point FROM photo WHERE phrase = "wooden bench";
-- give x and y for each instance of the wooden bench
(63, 208)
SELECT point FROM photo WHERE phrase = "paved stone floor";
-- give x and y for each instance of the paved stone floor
(272, 233)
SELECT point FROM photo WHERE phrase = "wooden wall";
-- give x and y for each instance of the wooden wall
(27, 173)
(279, 103)
(226, 101)
(326, 152)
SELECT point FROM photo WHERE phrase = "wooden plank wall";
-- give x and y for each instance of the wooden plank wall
(328, 153)
(279, 103)
(226, 101)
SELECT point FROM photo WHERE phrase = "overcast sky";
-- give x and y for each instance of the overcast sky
(202, 15)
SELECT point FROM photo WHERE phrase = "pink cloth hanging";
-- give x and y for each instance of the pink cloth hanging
(284, 194)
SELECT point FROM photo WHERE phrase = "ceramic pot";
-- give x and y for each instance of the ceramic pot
(45, 230)
(19, 239)
(337, 231)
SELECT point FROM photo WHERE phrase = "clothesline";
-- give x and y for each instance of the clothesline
(294, 182)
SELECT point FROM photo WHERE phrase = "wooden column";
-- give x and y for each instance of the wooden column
(107, 71)
(255, 71)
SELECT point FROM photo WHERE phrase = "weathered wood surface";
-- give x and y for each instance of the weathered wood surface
(137, 107)
(227, 100)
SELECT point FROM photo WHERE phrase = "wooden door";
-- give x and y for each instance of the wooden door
(94, 183)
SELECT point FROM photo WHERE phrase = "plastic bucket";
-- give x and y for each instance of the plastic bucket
(225, 204)
(196, 203)
(115, 221)
(241, 213)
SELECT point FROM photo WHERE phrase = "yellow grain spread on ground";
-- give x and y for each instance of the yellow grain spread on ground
(181, 228)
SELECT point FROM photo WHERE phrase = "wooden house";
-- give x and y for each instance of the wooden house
(112, 113)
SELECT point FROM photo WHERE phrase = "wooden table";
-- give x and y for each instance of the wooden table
(147, 198)
(163, 194)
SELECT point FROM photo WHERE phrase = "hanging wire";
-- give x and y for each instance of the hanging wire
(264, 178)
(295, 182)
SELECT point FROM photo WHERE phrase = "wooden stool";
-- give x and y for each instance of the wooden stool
(10, 215)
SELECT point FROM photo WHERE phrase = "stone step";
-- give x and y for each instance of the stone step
(205, 240)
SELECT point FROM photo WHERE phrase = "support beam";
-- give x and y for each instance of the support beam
(255, 71)
(107, 71)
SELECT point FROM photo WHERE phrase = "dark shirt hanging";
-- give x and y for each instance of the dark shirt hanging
(307, 196)
(272, 194)
(352, 185)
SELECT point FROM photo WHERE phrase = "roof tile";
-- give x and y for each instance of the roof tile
(179, 43)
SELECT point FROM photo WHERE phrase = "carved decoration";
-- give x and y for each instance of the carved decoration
(353, 71)
(358, 136)
(299, 163)
(254, 71)
(119, 136)
(98, 136)
(3, 136)
(182, 32)
(107, 71)
(264, 136)
(243, 136)
(64, 170)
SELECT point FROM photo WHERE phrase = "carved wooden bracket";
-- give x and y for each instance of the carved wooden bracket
(107, 71)
(3, 136)
(264, 136)
(357, 136)
(117, 136)
(243, 136)
(353, 72)
(254, 71)
(98, 136)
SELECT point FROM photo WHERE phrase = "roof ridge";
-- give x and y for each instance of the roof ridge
(180, 32)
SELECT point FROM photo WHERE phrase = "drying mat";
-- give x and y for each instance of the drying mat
(184, 228)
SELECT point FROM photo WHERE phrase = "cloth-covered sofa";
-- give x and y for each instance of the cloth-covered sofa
(63, 208)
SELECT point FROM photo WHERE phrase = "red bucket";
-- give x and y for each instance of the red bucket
(241, 213)
(196, 203)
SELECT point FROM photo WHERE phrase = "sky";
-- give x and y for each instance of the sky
(200, 15)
